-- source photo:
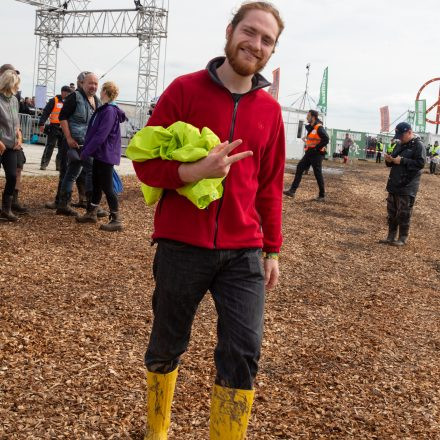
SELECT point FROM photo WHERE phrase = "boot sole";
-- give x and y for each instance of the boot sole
(80, 220)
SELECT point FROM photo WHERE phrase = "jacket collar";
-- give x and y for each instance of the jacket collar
(258, 80)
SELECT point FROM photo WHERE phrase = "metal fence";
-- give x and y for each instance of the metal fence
(30, 129)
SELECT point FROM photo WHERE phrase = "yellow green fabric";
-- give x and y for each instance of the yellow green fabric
(182, 142)
(230, 412)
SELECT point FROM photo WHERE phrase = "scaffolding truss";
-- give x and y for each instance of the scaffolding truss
(58, 19)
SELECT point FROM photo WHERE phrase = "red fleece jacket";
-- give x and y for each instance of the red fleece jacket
(249, 213)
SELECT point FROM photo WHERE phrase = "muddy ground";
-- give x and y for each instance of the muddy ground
(352, 333)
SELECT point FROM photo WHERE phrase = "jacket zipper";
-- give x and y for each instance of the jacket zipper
(231, 134)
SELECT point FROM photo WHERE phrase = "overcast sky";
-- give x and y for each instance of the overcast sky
(378, 52)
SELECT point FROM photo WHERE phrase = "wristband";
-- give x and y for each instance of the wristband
(271, 255)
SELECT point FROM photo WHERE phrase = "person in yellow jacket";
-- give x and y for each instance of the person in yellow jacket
(434, 157)
(379, 151)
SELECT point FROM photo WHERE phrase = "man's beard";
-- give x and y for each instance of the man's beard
(243, 68)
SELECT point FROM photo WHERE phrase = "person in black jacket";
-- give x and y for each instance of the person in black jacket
(53, 130)
(406, 162)
(315, 150)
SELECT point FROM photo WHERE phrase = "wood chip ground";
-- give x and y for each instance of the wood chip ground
(352, 333)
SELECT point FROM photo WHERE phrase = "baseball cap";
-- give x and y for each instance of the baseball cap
(6, 67)
(401, 129)
(66, 89)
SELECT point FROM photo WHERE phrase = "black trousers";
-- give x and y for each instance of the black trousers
(102, 178)
(378, 157)
(63, 147)
(314, 160)
(54, 137)
(432, 167)
(399, 209)
(9, 162)
(235, 278)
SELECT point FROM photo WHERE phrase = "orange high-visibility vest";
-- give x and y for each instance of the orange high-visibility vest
(54, 116)
(313, 138)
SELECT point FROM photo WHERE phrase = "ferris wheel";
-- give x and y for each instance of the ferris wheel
(425, 89)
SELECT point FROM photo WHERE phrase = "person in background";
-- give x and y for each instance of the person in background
(316, 142)
(406, 163)
(103, 144)
(53, 130)
(434, 155)
(379, 150)
(21, 158)
(10, 139)
(346, 145)
(74, 118)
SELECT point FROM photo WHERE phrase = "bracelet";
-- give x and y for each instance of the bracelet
(271, 255)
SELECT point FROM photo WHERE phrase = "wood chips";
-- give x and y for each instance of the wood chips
(352, 341)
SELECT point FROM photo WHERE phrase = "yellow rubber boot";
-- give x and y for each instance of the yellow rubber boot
(230, 412)
(160, 396)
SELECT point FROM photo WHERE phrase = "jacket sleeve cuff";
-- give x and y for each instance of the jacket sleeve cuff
(271, 249)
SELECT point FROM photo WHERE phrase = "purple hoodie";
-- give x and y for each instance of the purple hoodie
(103, 137)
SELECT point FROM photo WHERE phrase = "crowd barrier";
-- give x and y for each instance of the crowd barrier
(30, 129)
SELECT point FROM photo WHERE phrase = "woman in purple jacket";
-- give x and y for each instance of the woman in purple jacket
(103, 143)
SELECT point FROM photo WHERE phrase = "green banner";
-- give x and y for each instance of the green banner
(420, 124)
(322, 104)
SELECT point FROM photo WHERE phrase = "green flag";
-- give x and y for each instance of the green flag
(420, 124)
(322, 104)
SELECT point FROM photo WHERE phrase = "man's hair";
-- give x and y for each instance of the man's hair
(314, 113)
(9, 82)
(261, 6)
(111, 90)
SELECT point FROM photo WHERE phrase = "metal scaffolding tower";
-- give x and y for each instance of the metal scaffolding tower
(58, 19)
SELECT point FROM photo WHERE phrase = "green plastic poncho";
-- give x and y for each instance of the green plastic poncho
(182, 142)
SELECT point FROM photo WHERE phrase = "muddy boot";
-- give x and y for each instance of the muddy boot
(90, 216)
(102, 213)
(16, 207)
(403, 236)
(391, 238)
(289, 193)
(50, 205)
(64, 208)
(83, 197)
(114, 224)
(6, 212)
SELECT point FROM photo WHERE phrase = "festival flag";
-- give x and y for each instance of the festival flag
(322, 104)
(420, 125)
(275, 86)
(384, 119)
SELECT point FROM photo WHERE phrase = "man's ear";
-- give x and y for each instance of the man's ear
(229, 31)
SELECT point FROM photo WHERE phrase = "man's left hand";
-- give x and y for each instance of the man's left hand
(396, 160)
(271, 272)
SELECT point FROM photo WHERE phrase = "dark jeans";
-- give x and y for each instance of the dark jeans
(62, 153)
(235, 278)
(102, 177)
(54, 137)
(399, 210)
(310, 159)
(432, 167)
(9, 162)
(379, 157)
(74, 168)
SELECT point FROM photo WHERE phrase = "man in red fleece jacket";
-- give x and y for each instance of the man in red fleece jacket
(220, 248)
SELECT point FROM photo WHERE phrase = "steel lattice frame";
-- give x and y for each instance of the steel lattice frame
(57, 19)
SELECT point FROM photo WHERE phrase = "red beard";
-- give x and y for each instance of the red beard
(243, 68)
